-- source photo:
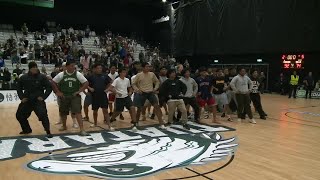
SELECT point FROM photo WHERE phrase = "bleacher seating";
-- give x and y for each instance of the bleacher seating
(6, 31)
(49, 67)
(88, 45)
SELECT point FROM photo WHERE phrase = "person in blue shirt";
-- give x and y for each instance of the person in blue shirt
(2, 63)
(204, 96)
(98, 85)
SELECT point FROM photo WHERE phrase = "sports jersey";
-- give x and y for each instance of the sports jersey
(69, 84)
(255, 85)
(219, 82)
(204, 87)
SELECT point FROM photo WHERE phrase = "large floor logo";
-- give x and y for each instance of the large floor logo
(123, 154)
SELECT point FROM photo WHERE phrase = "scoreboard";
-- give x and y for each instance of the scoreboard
(293, 61)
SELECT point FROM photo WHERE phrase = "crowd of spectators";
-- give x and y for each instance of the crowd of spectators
(112, 50)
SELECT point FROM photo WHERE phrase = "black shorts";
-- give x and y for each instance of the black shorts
(99, 101)
(88, 100)
(162, 100)
(120, 103)
(189, 100)
(140, 99)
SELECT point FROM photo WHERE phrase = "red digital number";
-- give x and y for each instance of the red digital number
(286, 66)
(298, 66)
(294, 57)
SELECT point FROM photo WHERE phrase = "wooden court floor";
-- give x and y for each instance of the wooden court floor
(284, 147)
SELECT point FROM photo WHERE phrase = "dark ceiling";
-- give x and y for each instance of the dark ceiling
(150, 8)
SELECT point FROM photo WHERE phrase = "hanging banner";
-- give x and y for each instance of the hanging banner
(11, 97)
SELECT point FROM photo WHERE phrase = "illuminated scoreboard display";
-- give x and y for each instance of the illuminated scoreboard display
(293, 61)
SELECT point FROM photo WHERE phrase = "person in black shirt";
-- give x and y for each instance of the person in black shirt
(136, 67)
(6, 79)
(26, 43)
(30, 89)
(219, 90)
(55, 72)
(88, 98)
(230, 94)
(226, 76)
(18, 71)
(98, 84)
(173, 89)
(309, 84)
(81, 52)
(141, 57)
(255, 95)
(262, 79)
(282, 83)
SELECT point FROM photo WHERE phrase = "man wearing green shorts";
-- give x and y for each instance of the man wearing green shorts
(71, 84)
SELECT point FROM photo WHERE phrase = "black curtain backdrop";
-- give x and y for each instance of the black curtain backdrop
(211, 27)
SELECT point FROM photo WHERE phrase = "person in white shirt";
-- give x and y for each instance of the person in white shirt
(113, 72)
(73, 115)
(68, 85)
(113, 75)
(242, 86)
(121, 87)
(190, 96)
(71, 30)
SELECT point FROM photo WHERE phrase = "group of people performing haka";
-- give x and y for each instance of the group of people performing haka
(174, 91)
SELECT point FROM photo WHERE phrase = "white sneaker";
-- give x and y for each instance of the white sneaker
(75, 126)
(252, 121)
(134, 129)
(162, 127)
(57, 123)
(112, 128)
(149, 115)
(239, 120)
(93, 125)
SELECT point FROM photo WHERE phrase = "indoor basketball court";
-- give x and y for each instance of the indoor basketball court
(160, 90)
(282, 147)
